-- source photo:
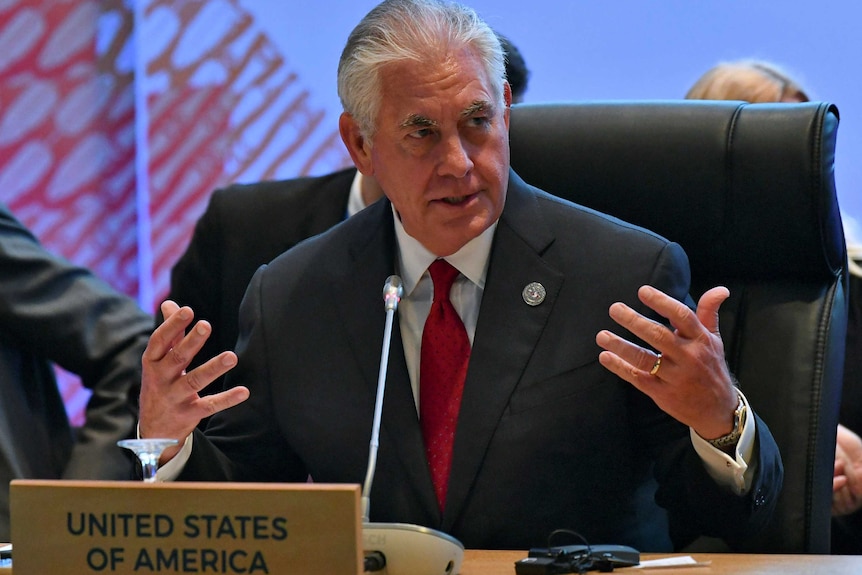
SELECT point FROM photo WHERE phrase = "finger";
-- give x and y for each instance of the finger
(854, 481)
(680, 316)
(849, 470)
(171, 331)
(203, 375)
(212, 404)
(838, 466)
(708, 306)
(841, 502)
(838, 482)
(169, 308)
(650, 331)
(635, 355)
(181, 354)
(632, 359)
(639, 378)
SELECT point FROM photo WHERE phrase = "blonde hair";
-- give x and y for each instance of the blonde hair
(747, 80)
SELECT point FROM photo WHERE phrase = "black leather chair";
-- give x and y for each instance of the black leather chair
(748, 191)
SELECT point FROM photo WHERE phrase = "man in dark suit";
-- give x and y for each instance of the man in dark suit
(52, 311)
(248, 225)
(647, 443)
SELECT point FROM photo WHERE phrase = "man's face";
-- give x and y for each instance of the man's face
(441, 149)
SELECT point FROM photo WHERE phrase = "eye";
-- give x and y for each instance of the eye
(479, 121)
(420, 134)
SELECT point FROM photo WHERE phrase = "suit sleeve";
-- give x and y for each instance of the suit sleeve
(63, 313)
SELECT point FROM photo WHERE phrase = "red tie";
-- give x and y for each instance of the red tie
(443, 368)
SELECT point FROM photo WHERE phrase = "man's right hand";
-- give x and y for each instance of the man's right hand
(170, 406)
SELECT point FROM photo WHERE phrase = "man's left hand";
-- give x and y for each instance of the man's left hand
(690, 380)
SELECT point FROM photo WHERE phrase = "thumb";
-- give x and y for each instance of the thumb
(707, 307)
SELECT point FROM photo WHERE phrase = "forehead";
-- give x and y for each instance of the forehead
(447, 81)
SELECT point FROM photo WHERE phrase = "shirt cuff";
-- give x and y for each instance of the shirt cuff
(736, 471)
(172, 469)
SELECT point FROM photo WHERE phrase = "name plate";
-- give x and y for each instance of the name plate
(124, 527)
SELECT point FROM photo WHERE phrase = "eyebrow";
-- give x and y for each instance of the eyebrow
(476, 107)
(419, 121)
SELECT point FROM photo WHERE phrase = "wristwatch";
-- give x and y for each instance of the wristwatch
(732, 438)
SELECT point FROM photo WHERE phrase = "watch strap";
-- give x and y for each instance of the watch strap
(732, 438)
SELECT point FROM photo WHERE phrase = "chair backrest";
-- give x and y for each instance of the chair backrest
(748, 190)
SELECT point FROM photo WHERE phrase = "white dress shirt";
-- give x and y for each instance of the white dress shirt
(465, 295)
(355, 201)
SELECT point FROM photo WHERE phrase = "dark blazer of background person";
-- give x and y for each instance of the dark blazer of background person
(244, 227)
(52, 311)
(548, 439)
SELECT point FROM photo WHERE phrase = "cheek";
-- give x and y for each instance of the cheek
(494, 168)
(405, 196)
(404, 182)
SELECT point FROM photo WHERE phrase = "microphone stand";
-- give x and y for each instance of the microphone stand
(406, 549)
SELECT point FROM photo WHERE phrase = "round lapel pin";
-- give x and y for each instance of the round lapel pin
(534, 293)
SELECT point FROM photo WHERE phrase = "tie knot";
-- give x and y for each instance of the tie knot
(443, 275)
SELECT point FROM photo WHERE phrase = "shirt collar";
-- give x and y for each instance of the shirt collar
(414, 258)
(355, 203)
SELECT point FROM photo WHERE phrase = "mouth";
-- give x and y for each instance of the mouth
(456, 200)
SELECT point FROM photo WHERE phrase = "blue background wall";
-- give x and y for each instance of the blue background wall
(587, 49)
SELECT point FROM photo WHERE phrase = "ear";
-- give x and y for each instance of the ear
(507, 99)
(358, 146)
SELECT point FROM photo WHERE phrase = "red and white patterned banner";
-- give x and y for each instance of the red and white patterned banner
(222, 107)
(219, 102)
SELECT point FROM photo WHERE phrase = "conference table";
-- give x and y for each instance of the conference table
(503, 563)
(478, 562)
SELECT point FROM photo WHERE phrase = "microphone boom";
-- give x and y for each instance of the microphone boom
(408, 549)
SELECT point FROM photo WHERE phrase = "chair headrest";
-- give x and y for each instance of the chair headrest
(747, 189)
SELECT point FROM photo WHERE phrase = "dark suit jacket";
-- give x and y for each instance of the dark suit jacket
(546, 438)
(244, 227)
(50, 311)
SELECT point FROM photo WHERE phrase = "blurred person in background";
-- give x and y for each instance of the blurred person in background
(54, 312)
(747, 80)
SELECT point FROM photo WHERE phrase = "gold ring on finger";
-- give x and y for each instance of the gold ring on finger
(657, 365)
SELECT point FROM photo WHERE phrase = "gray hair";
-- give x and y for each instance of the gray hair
(399, 30)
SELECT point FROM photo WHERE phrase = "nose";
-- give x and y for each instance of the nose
(455, 160)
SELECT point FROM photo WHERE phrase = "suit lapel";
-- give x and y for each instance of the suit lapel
(372, 260)
(507, 332)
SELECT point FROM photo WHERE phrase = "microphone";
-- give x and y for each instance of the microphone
(407, 549)
(392, 292)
